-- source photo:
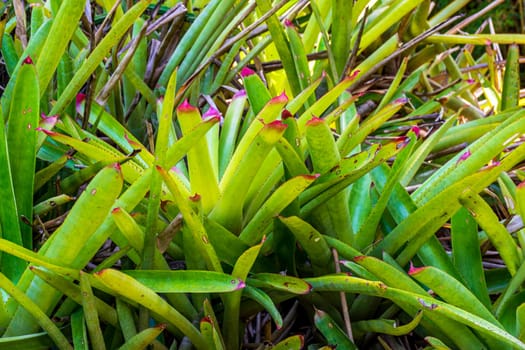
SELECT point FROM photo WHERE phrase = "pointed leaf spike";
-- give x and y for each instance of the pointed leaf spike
(246, 72)
(28, 60)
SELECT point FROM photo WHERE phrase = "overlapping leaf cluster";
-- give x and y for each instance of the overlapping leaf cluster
(219, 174)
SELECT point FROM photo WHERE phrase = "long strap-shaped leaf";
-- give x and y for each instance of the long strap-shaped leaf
(21, 142)
(426, 303)
(129, 288)
(68, 241)
(64, 25)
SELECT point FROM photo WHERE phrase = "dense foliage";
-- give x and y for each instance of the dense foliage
(231, 174)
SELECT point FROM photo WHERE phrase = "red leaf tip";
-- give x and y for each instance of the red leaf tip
(359, 258)
(246, 72)
(288, 23)
(206, 319)
(101, 272)
(402, 141)
(311, 176)
(116, 210)
(117, 167)
(309, 288)
(315, 121)
(27, 60)
(416, 130)
(195, 198)
(79, 99)
(285, 114)
(353, 75)
(277, 125)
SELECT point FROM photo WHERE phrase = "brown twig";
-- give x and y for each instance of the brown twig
(344, 302)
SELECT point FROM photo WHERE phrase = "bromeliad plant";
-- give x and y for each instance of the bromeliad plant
(262, 199)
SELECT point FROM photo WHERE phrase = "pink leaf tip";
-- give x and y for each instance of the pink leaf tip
(240, 93)
(464, 156)
(47, 132)
(27, 60)
(240, 284)
(212, 113)
(117, 167)
(245, 72)
(401, 101)
(185, 106)
(413, 270)
(288, 23)
(282, 98)
(416, 130)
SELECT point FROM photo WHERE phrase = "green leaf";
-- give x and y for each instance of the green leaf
(202, 173)
(127, 287)
(387, 326)
(64, 24)
(35, 312)
(232, 302)
(35, 341)
(281, 44)
(273, 206)
(72, 290)
(182, 281)
(428, 304)
(466, 254)
(265, 301)
(240, 172)
(287, 284)
(481, 153)
(312, 242)
(295, 342)
(91, 314)
(497, 233)
(452, 291)
(331, 331)
(194, 223)
(24, 116)
(230, 130)
(69, 240)
(142, 339)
